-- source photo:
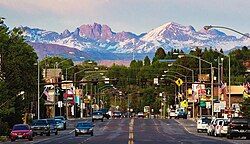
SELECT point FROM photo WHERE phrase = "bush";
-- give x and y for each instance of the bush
(4, 128)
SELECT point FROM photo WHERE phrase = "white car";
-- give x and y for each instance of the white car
(172, 114)
(211, 126)
(202, 124)
(221, 128)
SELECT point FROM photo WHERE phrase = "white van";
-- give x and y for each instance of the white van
(202, 124)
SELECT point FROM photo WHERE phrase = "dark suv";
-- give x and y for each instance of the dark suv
(41, 127)
(238, 127)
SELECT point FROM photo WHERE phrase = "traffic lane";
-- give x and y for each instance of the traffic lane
(191, 128)
(115, 132)
(69, 137)
(39, 138)
(148, 131)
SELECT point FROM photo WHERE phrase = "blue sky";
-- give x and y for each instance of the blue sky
(137, 16)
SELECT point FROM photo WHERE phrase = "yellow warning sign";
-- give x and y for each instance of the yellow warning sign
(179, 82)
(184, 104)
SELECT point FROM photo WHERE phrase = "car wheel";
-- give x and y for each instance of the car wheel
(56, 133)
(198, 131)
(48, 134)
(41, 134)
(92, 134)
(93, 120)
(102, 120)
(76, 134)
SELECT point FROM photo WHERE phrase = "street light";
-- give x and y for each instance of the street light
(192, 77)
(38, 88)
(212, 26)
(229, 75)
(212, 76)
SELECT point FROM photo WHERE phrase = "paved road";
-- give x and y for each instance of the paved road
(168, 131)
(143, 131)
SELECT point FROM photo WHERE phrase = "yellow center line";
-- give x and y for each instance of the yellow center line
(131, 132)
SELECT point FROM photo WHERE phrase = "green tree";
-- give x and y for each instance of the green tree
(147, 61)
(18, 73)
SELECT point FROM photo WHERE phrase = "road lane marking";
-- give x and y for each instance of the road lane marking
(131, 132)
(71, 131)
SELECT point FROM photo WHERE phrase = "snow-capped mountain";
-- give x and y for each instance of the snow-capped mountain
(101, 39)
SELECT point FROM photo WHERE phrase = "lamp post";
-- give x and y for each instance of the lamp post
(38, 88)
(192, 77)
(229, 71)
(223, 27)
(229, 75)
(212, 77)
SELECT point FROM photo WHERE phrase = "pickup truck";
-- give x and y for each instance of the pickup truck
(40, 127)
(238, 127)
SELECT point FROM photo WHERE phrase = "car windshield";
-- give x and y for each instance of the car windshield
(41, 122)
(51, 121)
(206, 120)
(97, 113)
(58, 120)
(21, 127)
(60, 117)
(84, 125)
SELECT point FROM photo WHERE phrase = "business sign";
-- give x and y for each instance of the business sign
(156, 81)
(67, 85)
(203, 77)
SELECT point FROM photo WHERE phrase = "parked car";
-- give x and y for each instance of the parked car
(221, 128)
(84, 128)
(97, 115)
(181, 114)
(172, 114)
(238, 127)
(211, 126)
(202, 124)
(53, 126)
(21, 131)
(63, 120)
(59, 124)
(41, 127)
(117, 114)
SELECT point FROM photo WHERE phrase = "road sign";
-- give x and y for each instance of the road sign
(59, 104)
(57, 91)
(179, 82)
(208, 91)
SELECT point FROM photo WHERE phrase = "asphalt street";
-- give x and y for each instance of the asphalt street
(140, 131)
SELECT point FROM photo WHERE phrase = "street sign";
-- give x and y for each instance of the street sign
(179, 82)
(156, 81)
(208, 91)
(59, 103)
(57, 91)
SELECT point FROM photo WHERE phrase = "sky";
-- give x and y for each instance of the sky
(137, 16)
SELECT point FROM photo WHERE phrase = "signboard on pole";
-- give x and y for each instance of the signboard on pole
(156, 81)
(59, 103)
(179, 82)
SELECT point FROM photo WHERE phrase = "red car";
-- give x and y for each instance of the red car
(21, 131)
